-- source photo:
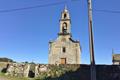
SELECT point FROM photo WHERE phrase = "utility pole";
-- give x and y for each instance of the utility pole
(91, 42)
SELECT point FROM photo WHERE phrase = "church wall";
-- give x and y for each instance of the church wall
(72, 53)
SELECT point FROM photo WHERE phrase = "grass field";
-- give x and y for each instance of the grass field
(4, 77)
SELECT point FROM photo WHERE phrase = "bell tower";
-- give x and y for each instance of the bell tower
(64, 50)
(65, 23)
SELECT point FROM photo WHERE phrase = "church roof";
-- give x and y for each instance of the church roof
(73, 40)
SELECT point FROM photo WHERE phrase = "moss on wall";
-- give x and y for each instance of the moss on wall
(74, 72)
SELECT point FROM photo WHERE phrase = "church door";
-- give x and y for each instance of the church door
(63, 60)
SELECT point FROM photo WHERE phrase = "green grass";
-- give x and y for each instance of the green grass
(2, 75)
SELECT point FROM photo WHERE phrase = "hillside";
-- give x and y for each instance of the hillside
(6, 60)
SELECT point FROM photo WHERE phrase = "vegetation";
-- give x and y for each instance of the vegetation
(6, 77)
(55, 72)
(6, 60)
(59, 73)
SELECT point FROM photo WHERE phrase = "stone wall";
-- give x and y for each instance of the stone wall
(72, 53)
(16, 69)
(3, 66)
(62, 72)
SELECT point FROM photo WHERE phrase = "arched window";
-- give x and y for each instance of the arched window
(64, 28)
(65, 24)
(65, 15)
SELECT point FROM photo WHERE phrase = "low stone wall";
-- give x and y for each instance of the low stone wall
(3, 65)
(18, 69)
(62, 72)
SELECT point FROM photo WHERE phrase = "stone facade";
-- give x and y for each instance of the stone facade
(64, 50)
(116, 59)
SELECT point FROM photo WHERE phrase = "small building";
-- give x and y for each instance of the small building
(116, 59)
(64, 50)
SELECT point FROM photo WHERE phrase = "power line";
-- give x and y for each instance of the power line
(106, 11)
(32, 7)
(53, 4)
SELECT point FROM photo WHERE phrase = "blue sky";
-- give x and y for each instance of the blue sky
(24, 34)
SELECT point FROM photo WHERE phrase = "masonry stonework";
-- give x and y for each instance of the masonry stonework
(64, 50)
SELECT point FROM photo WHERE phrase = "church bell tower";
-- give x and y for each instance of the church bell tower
(65, 23)
(64, 50)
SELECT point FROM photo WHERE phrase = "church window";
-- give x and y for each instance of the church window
(64, 49)
(64, 24)
(65, 16)
(64, 29)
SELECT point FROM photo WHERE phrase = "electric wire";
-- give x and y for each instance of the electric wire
(53, 4)
(106, 11)
(32, 7)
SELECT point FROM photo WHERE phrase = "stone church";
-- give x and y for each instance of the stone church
(64, 50)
